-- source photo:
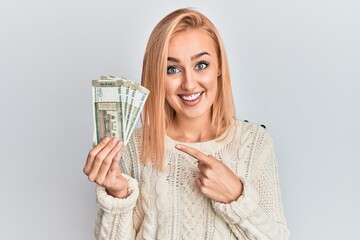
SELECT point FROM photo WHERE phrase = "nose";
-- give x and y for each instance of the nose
(188, 81)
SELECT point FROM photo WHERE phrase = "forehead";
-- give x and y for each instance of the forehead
(191, 41)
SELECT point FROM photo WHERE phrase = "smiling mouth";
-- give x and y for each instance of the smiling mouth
(191, 97)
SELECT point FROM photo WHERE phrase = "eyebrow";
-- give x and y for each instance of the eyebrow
(172, 59)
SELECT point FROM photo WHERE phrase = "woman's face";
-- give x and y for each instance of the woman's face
(192, 71)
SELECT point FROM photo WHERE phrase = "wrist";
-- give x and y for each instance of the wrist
(238, 191)
(118, 194)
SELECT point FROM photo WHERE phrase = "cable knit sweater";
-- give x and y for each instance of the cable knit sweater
(168, 205)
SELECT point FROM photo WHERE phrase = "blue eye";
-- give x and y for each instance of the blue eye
(201, 65)
(172, 70)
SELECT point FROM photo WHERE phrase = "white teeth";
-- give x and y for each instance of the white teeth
(191, 97)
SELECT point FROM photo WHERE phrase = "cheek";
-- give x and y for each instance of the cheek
(212, 87)
(172, 84)
(169, 91)
(210, 77)
(211, 83)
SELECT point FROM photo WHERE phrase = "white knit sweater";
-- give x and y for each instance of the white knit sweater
(168, 205)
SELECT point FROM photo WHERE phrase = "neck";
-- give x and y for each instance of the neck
(191, 130)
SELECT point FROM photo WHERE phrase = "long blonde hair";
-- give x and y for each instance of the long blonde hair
(157, 113)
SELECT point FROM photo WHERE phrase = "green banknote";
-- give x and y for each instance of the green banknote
(117, 104)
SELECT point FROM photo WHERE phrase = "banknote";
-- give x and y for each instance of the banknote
(137, 100)
(117, 105)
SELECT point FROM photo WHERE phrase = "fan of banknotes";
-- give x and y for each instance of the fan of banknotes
(117, 104)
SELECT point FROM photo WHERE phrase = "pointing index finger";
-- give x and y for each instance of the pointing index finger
(200, 156)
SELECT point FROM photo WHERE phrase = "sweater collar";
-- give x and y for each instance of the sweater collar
(207, 147)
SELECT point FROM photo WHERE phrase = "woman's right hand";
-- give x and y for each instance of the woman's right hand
(102, 167)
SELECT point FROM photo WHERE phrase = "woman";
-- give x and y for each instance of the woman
(192, 171)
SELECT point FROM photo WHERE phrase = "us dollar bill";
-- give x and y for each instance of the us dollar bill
(117, 105)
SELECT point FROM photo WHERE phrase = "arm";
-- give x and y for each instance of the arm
(258, 212)
(116, 192)
(251, 208)
(114, 219)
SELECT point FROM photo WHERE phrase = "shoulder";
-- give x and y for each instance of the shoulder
(246, 128)
(130, 156)
(137, 134)
(246, 122)
(254, 144)
(134, 144)
(253, 134)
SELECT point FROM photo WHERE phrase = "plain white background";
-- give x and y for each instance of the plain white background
(295, 67)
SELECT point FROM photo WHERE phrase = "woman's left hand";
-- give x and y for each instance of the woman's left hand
(216, 181)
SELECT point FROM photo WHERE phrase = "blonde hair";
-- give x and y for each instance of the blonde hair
(157, 113)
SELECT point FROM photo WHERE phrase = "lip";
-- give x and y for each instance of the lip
(191, 99)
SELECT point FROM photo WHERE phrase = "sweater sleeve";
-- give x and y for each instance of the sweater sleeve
(119, 218)
(257, 213)
(114, 219)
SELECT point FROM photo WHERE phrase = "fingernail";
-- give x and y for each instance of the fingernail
(178, 146)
